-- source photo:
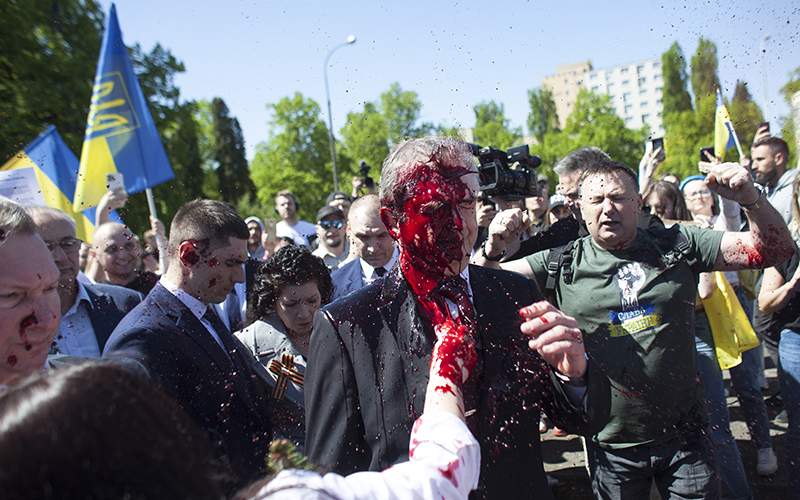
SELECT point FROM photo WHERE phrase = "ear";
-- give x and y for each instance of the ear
(779, 159)
(639, 204)
(390, 221)
(187, 254)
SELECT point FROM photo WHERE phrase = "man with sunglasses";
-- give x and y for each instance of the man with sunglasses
(331, 228)
(89, 313)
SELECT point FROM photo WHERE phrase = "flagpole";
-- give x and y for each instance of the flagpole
(162, 245)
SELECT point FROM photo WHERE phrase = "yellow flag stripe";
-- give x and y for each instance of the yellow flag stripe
(53, 195)
(96, 162)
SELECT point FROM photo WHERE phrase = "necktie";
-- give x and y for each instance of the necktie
(224, 335)
(380, 271)
(456, 290)
(234, 311)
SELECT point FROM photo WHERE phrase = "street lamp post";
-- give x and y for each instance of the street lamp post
(349, 41)
(764, 78)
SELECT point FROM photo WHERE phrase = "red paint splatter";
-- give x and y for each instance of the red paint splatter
(12, 360)
(454, 351)
(213, 262)
(212, 283)
(444, 389)
(431, 226)
(449, 472)
(23, 329)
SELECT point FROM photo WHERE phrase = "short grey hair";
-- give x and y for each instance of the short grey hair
(440, 154)
(14, 219)
(37, 212)
(579, 160)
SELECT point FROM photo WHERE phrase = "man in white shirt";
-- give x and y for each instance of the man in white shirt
(331, 230)
(29, 303)
(89, 313)
(372, 249)
(289, 226)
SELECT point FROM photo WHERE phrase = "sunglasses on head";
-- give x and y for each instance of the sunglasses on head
(327, 224)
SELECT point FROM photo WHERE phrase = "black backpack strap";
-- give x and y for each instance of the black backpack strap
(682, 245)
(557, 259)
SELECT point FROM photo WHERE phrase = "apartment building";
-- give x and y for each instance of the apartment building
(635, 90)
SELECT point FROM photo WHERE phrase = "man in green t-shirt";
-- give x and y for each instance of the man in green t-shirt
(633, 294)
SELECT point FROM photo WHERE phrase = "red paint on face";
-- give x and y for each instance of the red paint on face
(12, 360)
(431, 229)
(23, 327)
(212, 283)
(213, 262)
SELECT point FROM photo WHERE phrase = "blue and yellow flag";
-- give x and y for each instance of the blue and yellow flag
(121, 135)
(56, 168)
(724, 135)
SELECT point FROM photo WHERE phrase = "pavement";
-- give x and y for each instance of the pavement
(564, 457)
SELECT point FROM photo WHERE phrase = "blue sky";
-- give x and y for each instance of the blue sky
(453, 54)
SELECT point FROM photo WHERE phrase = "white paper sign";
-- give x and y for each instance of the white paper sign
(20, 185)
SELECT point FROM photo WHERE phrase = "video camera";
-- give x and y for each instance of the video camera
(363, 169)
(498, 179)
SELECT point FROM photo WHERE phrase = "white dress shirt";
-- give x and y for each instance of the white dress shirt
(75, 335)
(197, 307)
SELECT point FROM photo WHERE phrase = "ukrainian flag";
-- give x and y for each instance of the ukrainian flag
(724, 134)
(56, 168)
(121, 135)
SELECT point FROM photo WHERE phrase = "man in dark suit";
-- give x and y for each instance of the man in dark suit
(372, 250)
(89, 313)
(188, 351)
(370, 352)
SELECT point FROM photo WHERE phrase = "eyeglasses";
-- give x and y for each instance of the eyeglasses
(68, 245)
(327, 224)
(697, 194)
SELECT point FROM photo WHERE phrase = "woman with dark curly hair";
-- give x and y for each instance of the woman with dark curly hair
(288, 289)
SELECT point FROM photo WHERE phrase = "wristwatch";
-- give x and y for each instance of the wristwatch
(760, 202)
(496, 258)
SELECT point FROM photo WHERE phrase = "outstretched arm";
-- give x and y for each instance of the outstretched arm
(768, 242)
(556, 337)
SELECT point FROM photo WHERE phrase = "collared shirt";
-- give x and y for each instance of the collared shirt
(75, 335)
(332, 261)
(369, 272)
(197, 307)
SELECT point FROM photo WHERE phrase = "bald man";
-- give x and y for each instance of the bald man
(118, 252)
(372, 249)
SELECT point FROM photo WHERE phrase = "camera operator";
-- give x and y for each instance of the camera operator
(502, 215)
(363, 182)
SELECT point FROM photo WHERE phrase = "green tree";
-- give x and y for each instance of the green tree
(296, 156)
(366, 137)
(48, 56)
(593, 122)
(745, 116)
(705, 80)
(400, 110)
(492, 128)
(675, 96)
(788, 132)
(543, 118)
(156, 72)
(233, 176)
(370, 134)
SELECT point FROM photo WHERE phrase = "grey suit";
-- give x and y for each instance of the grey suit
(347, 279)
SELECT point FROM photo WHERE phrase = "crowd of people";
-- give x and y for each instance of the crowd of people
(409, 342)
